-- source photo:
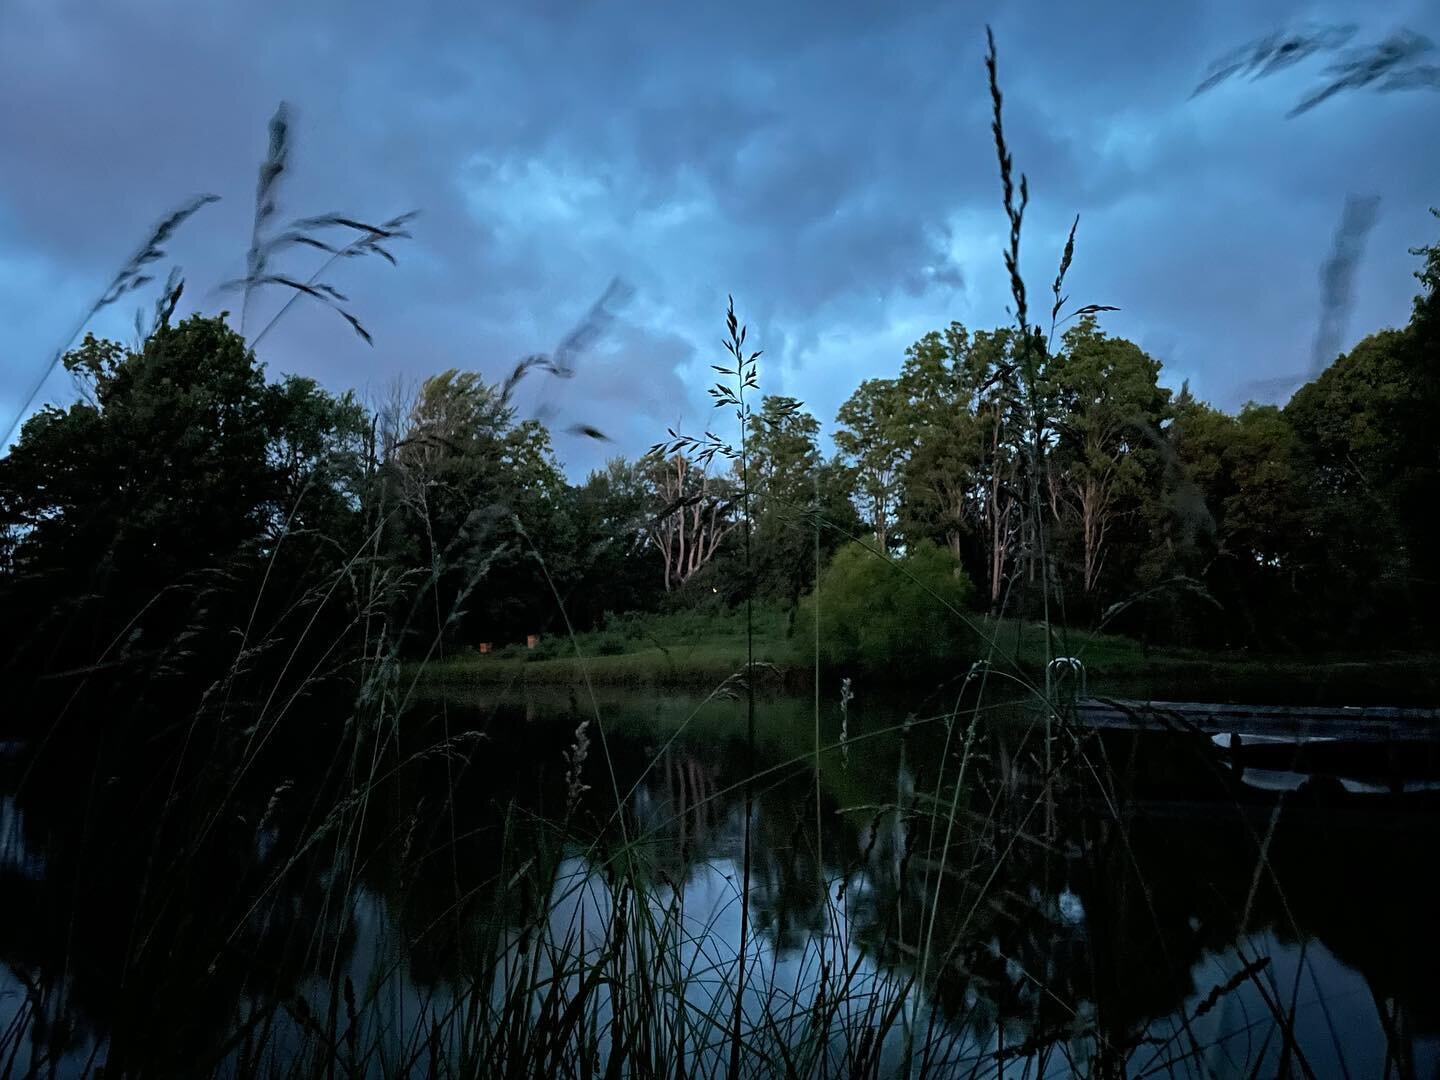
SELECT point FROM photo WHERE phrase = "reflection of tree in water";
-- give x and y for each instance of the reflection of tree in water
(1103, 926)
(182, 934)
(1088, 935)
(679, 808)
(141, 932)
(1095, 933)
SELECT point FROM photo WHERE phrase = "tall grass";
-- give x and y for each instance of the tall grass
(588, 921)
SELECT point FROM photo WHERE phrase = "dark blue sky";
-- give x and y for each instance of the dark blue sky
(830, 164)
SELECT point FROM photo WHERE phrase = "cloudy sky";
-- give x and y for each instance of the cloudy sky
(828, 164)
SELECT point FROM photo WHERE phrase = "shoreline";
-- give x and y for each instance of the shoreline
(1387, 679)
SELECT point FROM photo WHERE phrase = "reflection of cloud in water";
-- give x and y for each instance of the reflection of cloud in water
(700, 929)
(1065, 926)
(702, 924)
(1334, 1007)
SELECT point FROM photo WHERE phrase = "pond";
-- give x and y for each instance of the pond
(551, 883)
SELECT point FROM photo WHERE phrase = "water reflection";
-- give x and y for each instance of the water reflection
(1012, 936)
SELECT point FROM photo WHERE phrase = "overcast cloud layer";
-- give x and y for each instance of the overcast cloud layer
(831, 165)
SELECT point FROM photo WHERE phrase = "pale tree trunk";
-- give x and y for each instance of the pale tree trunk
(951, 495)
(1095, 523)
(1000, 517)
(880, 515)
(689, 531)
(1094, 500)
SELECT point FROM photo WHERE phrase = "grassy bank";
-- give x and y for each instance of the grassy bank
(685, 650)
(696, 651)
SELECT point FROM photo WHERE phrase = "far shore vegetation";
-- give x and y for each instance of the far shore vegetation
(685, 652)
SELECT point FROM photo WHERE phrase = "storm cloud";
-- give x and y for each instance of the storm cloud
(830, 165)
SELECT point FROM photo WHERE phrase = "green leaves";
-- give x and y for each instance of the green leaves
(184, 456)
(876, 613)
(744, 373)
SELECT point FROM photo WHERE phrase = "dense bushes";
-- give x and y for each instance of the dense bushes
(889, 615)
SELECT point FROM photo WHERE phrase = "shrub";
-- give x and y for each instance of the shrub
(889, 615)
(609, 645)
(550, 647)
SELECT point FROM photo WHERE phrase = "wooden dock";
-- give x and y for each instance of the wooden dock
(1294, 723)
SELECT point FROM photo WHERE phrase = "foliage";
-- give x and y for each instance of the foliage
(876, 614)
(872, 437)
(961, 478)
(616, 565)
(802, 502)
(941, 474)
(1108, 406)
(482, 510)
(1367, 429)
(146, 518)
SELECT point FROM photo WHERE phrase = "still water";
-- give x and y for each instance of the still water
(925, 888)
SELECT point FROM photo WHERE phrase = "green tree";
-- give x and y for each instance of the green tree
(1366, 425)
(1367, 429)
(1108, 407)
(1229, 528)
(183, 498)
(617, 566)
(1427, 303)
(961, 473)
(1174, 559)
(941, 479)
(485, 514)
(877, 615)
(963, 429)
(873, 439)
(1002, 425)
(792, 485)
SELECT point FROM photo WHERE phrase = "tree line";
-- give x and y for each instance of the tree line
(186, 499)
